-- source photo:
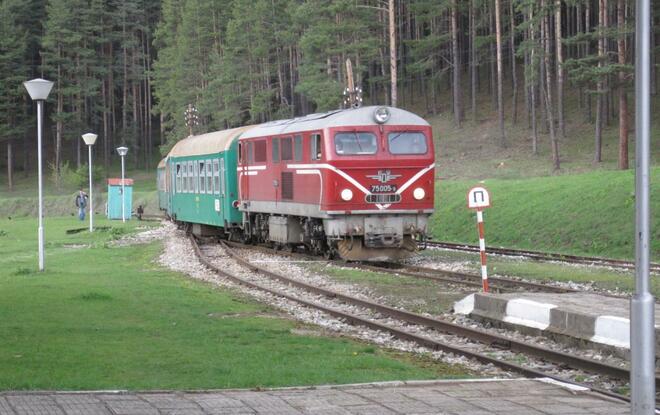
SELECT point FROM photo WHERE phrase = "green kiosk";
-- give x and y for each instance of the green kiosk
(115, 198)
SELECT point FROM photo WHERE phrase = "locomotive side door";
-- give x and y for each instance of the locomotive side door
(275, 170)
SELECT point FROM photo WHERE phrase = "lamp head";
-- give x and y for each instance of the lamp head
(89, 138)
(122, 151)
(382, 115)
(38, 88)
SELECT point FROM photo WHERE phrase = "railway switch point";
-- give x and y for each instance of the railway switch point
(602, 322)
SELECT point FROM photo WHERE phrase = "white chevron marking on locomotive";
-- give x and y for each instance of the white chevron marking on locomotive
(414, 178)
(333, 168)
(356, 183)
(250, 168)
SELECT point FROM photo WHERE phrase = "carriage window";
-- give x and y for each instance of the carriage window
(191, 178)
(209, 174)
(216, 177)
(184, 178)
(178, 177)
(241, 158)
(355, 143)
(250, 152)
(260, 151)
(406, 142)
(297, 148)
(317, 151)
(201, 175)
(222, 176)
(276, 150)
(287, 151)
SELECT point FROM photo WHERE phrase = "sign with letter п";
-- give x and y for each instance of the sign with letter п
(478, 198)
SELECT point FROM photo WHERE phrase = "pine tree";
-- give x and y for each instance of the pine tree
(13, 48)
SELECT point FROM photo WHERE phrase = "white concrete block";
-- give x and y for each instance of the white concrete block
(612, 330)
(528, 313)
(464, 306)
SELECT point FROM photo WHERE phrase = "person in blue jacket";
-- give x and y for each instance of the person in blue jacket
(81, 203)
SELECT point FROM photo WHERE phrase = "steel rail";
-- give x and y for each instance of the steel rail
(541, 256)
(502, 284)
(451, 328)
(447, 327)
(454, 277)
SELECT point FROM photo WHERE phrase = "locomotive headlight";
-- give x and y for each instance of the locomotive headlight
(419, 193)
(347, 194)
(381, 115)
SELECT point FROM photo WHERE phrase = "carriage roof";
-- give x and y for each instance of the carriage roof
(349, 117)
(209, 143)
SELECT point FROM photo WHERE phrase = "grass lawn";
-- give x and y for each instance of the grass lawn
(586, 214)
(601, 277)
(21, 201)
(106, 317)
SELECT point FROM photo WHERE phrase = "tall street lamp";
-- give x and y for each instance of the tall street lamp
(90, 139)
(39, 90)
(122, 152)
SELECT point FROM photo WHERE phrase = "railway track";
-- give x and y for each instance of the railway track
(451, 277)
(491, 342)
(542, 256)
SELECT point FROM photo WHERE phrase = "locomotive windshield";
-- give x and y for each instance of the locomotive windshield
(355, 143)
(407, 142)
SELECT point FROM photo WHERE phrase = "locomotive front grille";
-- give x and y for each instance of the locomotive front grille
(383, 198)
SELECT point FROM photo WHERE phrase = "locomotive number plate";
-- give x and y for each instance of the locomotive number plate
(383, 188)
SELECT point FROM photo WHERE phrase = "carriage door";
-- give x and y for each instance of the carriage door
(286, 175)
(275, 170)
(243, 178)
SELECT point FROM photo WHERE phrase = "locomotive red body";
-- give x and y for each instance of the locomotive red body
(357, 183)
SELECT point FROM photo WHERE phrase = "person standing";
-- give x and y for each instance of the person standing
(81, 204)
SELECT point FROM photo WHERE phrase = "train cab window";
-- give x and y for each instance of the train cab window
(316, 147)
(209, 177)
(276, 150)
(216, 177)
(241, 158)
(354, 143)
(407, 142)
(201, 175)
(287, 150)
(260, 151)
(297, 148)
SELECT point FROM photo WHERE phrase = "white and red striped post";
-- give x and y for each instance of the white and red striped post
(478, 198)
(482, 250)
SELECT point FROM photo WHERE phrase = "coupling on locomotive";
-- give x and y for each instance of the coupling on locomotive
(356, 183)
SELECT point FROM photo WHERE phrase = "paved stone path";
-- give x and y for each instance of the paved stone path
(514, 397)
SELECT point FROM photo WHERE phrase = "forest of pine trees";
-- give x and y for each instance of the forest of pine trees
(128, 69)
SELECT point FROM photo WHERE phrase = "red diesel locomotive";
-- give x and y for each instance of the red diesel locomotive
(355, 183)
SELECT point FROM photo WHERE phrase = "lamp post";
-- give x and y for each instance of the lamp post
(191, 117)
(642, 303)
(122, 152)
(39, 90)
(90, 139)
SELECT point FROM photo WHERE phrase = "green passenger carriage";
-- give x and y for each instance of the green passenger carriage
(163, 186)
(201, 171)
